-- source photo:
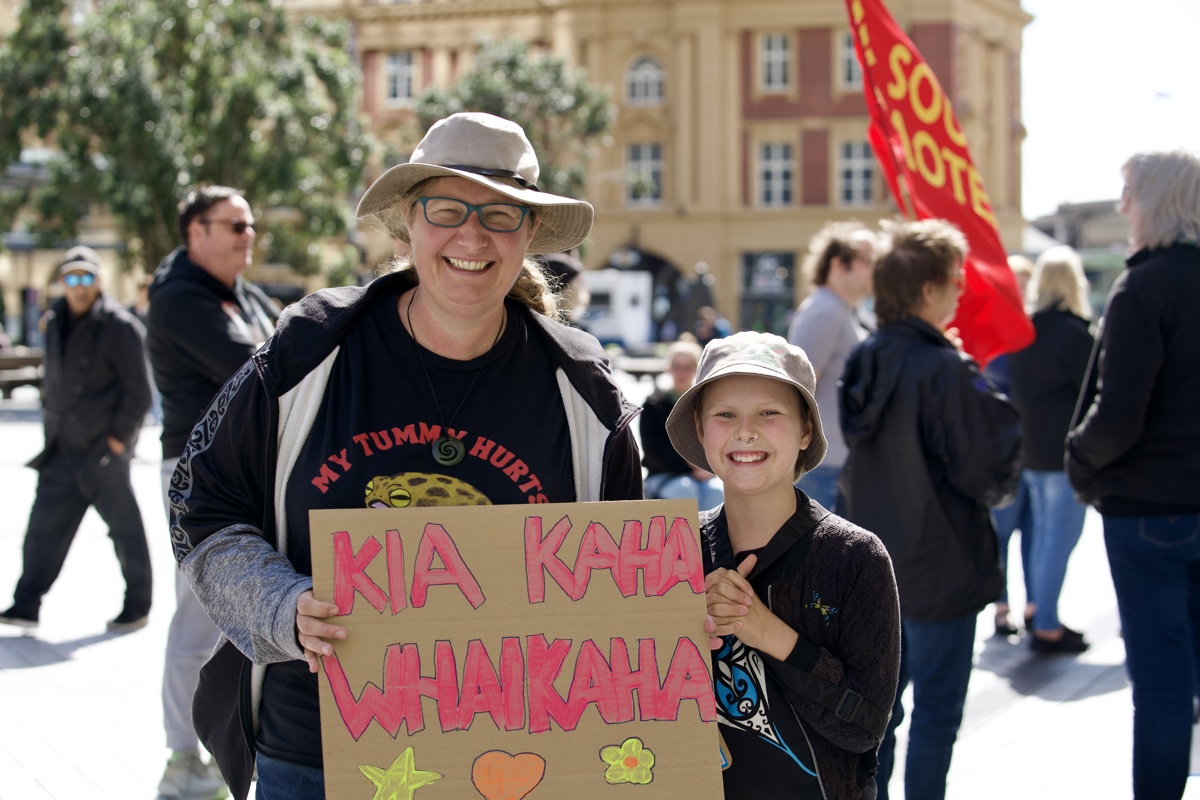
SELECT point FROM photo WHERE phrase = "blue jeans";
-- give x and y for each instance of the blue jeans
(820, 484)
(286, 780)
(708, 494)
(1015, 516)
(1057, 524)
(1155, 564)
(936, 657)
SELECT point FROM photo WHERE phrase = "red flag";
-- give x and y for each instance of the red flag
(924, 156)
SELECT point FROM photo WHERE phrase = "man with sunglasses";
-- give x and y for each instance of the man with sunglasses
(205, 322)
(95, 393)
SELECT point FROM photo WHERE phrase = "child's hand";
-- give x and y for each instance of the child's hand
(734, 609)
(728, 597)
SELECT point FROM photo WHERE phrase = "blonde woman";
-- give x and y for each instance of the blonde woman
(462, 343)
(1045, 381)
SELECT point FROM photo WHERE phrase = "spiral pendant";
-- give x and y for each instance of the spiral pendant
(448, 451)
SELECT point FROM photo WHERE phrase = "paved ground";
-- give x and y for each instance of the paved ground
(80, 715)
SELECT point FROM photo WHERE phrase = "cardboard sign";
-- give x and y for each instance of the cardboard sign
(541, 651)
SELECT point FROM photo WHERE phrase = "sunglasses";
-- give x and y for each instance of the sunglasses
(238, 226)
(72, 280)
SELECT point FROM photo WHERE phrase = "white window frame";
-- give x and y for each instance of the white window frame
(856, 173)
(775, 63)
(644, 157)
(399, 78)
(776, 174)
(850, 78)
(644, 82)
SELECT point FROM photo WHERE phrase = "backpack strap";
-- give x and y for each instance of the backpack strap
(845, 703)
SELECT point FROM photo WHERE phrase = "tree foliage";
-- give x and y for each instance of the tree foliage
(563, 114)
(141, 99)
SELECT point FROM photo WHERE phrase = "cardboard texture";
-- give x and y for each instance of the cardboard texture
(540, 651)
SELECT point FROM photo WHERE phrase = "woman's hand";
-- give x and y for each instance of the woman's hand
(311, 629)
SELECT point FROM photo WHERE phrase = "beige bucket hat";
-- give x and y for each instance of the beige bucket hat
(748, 353)
(493, 152)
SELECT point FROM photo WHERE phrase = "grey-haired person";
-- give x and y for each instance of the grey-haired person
(462, 340)
(95, 392)
(1134, 454)
(804, 613)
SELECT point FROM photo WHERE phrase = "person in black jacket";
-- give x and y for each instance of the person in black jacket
(1014, 515)
(668, 475)
(1046, 379)
(1135, 455)
(804, 615)
(453, 370)
(205, 321)
(96, 390)
(932, 446)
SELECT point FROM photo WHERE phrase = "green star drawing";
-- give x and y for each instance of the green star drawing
(401, 780)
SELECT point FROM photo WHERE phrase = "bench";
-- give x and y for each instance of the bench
(19, 366)
(640, 366)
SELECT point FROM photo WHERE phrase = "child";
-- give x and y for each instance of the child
(805, 616)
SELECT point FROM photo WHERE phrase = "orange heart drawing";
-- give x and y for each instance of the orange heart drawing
(498, 775)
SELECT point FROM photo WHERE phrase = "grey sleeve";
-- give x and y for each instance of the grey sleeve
(250, 591)
(817, 332)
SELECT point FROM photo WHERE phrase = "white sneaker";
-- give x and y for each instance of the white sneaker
(187, 777)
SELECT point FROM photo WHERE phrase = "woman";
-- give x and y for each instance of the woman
(461, 343)
(1014, 515)
(668, 475)
(1134, 456)
(1046, 379)
(804, 603)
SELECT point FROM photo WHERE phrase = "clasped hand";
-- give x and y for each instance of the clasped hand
(733, 608)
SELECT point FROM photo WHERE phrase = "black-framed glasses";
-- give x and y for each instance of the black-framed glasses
(448, 212)
(238, 226)
(72, 279)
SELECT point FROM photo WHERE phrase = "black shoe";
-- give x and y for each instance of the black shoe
(15, 616)
(128, 621)
(1071, 642)
(1005, 629)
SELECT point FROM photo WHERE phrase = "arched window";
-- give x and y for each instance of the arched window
(644, 83)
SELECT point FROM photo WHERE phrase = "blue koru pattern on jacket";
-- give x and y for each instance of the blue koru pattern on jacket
(742, 695)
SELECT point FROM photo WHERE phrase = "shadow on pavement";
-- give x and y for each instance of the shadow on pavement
(26, 651)
(20, 413)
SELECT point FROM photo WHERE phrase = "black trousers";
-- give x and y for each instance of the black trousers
(66, 487)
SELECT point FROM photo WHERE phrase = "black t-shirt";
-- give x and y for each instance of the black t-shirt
(769, 751)
(372, 445)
